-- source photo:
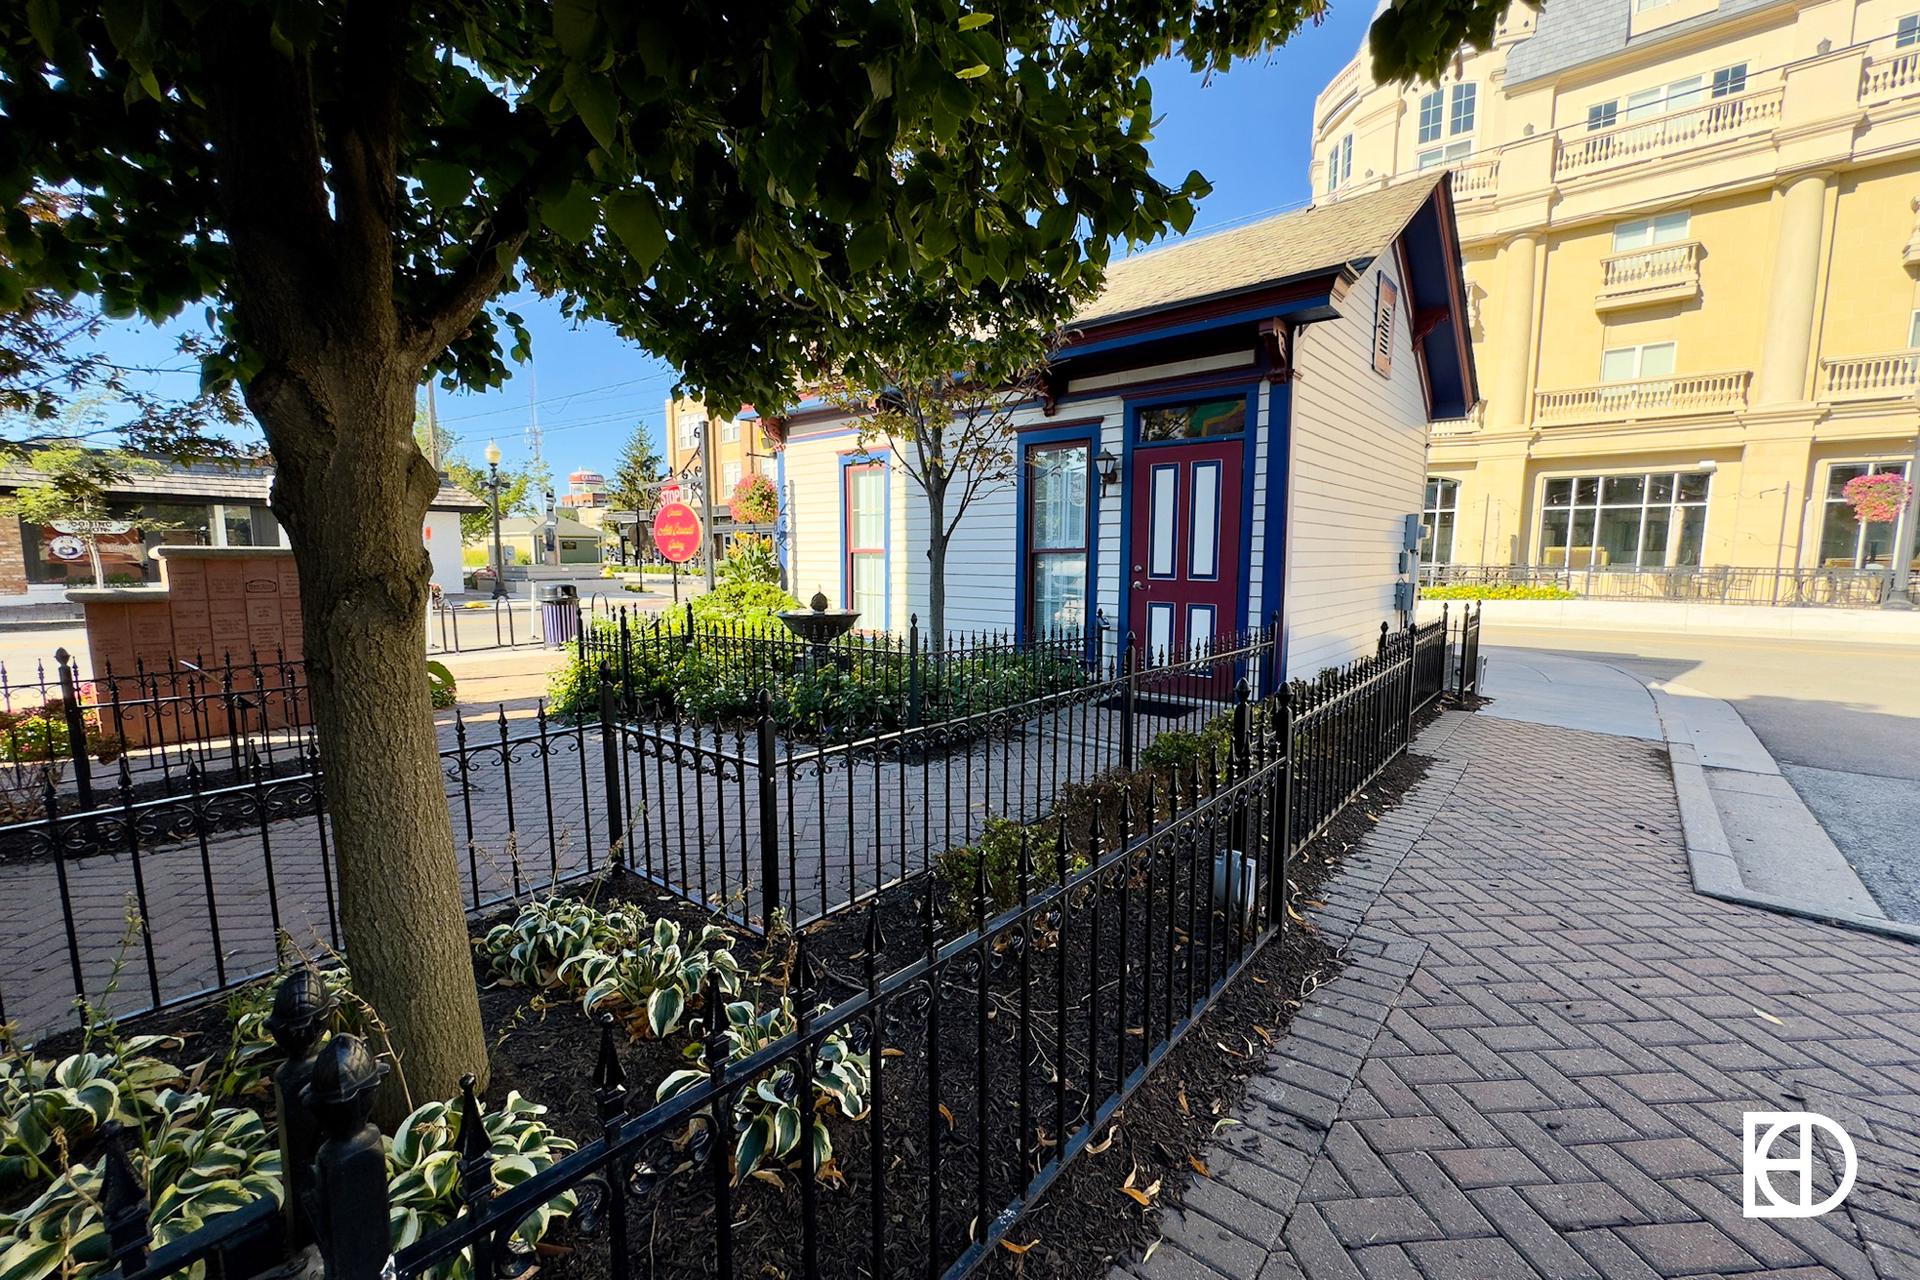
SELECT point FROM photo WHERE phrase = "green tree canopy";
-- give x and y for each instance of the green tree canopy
(351, 188)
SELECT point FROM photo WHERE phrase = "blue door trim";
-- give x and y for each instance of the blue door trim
(1273, 564)
(1087, 432)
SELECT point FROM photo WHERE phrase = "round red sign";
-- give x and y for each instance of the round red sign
(676, 532)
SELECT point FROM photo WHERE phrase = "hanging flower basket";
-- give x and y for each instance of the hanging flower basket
(1877, 499)
(755, 501)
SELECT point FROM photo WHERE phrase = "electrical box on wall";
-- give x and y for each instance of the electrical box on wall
(1410, 540)
(1403, 596)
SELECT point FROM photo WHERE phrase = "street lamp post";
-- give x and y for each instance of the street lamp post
(499, 556)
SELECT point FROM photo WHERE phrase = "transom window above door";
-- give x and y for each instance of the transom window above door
(1194, 421)
(1447, 154)
(1649, 233)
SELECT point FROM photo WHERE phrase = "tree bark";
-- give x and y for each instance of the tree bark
(352, 490)
(937, 564)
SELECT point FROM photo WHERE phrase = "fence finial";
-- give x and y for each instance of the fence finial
(125, 1203)
(349, 1205)
(302, 1006)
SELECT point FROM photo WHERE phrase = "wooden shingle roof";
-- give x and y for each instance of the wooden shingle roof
(1261, 253)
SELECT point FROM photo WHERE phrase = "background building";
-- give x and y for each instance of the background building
(205, 504)
(1690, 243)
(738, 448)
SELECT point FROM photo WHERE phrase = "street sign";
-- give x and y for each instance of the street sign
(676, 532)
(668, 493)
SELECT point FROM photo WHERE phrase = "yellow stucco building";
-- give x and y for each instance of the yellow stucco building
(1691, 248)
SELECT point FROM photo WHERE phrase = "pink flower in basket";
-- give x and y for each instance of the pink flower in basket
(1877, 499)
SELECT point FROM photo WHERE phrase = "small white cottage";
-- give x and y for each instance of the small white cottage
(1238, 425)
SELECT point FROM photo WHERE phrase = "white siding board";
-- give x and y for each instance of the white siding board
(1359, 456)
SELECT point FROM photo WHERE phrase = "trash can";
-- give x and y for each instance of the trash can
(559, 613)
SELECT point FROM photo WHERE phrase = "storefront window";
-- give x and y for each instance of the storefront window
(1057, 485)
(1645, 520)
(1845, 543)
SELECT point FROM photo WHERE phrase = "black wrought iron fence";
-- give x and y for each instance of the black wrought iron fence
(751, 817)
(214, 865)
(992, 1056)
(76, 731)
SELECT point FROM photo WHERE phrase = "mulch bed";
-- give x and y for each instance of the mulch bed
(544, 1047)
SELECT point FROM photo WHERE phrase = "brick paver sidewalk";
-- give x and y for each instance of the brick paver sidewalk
(1536, 1062)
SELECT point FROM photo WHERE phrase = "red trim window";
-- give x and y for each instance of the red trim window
(1057, 537)
(865, 501)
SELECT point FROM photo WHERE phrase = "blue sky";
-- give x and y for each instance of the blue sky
(1249, 131)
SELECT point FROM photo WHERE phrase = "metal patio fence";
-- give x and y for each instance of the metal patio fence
(996, 1056)
(1839, 587)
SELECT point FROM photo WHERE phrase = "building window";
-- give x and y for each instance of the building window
(730, 432)
(1907, 32)
(1650, 233)
(1437, 521)
(1466, 99)
(1432, 111)
(689, 432)
(1728, 81)
(1664, 99)
(729, 478)
(1192, 421)
(866, 569)
(1603, 115)
(1637, 521)
(1447, 154)
(1635, 364)
(1057, 493)
(1340, 163)
(1913, 330)
(1845, 543)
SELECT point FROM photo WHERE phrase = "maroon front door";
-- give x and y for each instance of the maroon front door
(1184, 583)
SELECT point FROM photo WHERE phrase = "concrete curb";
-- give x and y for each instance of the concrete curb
(1710, 858)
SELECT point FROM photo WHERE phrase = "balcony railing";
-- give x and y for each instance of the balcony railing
(1679, 131)
(1888, 376)
(1890, 77)
(1650, 275)
(1647, 398)
(1476, 178)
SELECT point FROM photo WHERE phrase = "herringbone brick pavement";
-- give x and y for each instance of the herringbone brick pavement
(1536, 1063)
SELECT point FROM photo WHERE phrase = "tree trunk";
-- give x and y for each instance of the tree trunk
(93, 554)
(352, 490)
(937, 565)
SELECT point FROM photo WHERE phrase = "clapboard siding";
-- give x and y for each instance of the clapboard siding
(1359, 452)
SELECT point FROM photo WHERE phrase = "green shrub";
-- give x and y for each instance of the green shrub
(750, 558)
(744, 604)
(1498, 591)
(955, 872)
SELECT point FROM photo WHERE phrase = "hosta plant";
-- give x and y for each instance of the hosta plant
(423, 1170)
(197, 1161)
(650, 985)
(766, 1116)
(535, 948)
(46, 1105)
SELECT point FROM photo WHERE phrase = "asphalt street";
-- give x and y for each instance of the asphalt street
(1843, 720)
